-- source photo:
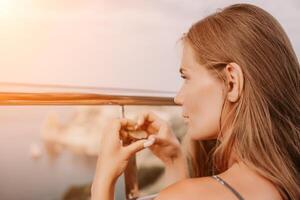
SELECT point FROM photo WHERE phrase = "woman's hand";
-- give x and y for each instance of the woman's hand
(113, 158)
(166, 146)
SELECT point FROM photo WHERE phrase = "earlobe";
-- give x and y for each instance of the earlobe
(235, 81)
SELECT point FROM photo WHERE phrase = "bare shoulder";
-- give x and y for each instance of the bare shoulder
(192, 189)
(249, 184)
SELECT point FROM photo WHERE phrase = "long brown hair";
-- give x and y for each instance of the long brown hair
(264, 123)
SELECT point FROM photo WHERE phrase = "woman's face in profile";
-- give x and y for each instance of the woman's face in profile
(200, 96)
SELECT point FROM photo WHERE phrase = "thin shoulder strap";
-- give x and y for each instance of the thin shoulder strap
(220, 180)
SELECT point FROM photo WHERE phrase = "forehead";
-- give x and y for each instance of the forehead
(188, 61)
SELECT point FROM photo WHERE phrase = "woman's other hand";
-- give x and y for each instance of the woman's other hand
(166, 146)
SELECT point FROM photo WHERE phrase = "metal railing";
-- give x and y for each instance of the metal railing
(38, 94)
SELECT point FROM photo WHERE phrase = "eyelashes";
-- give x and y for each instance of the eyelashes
(183, 77)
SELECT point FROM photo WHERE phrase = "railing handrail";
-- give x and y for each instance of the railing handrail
(38, 94)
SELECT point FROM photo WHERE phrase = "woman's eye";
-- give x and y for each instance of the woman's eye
(183, 77)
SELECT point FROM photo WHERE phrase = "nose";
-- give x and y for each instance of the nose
(178, 99)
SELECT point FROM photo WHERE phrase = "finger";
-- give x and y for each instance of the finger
(154, 127)
(149, 117)
(144, 117)
(158, 140)
(138, 146)
(123, 134)
(128, 124)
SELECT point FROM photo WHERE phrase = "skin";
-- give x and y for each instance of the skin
(201, 97)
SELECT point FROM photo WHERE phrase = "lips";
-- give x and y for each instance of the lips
(185, 118)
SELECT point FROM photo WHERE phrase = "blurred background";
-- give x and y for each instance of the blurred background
(48, 152)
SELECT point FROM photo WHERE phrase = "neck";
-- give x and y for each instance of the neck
(232, 160)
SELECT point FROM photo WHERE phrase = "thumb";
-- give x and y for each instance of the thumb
(160, 141)
(138, 146)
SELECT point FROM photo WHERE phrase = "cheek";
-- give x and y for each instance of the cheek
(204, 105)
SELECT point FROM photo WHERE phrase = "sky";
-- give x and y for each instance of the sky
(122, 44)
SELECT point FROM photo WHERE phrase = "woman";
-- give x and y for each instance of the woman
(241, 89)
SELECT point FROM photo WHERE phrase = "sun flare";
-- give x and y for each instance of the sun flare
(7, 7)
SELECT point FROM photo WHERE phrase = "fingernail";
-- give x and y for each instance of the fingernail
(148, 143)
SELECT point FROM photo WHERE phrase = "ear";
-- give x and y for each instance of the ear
(235, 81)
